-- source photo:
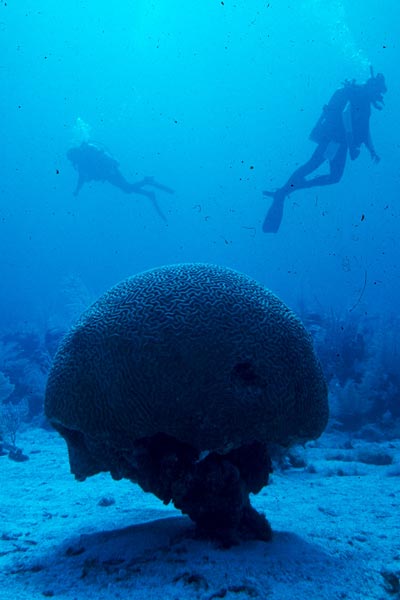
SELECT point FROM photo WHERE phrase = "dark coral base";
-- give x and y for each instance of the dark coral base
(213, 491)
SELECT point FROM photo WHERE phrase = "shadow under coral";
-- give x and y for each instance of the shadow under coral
(166, 553)
(212, 488)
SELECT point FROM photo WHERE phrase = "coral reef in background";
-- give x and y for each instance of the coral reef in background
(26, 351)
(11, 417)
(25, 361)
(6, 387)
(360, 356)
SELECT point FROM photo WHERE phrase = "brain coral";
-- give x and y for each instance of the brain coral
(179, 378)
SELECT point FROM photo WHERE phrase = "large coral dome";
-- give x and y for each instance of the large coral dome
(199, 353)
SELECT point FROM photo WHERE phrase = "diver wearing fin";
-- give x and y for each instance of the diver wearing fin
(95, 164)
(343, 126)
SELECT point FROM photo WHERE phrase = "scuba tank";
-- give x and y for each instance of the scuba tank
(329, 125)
(318, 132)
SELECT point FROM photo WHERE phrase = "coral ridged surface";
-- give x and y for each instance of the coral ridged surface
(198, 353)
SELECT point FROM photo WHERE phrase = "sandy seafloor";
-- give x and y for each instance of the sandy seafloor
(336, 532)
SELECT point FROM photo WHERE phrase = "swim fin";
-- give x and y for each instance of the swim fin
(157, 208)
(274, 216)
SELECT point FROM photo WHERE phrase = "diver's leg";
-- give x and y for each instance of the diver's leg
(141, 183)
(295, 182)
(160, 186)
(118, 180)
(81, 180)
(297, 179)
(336, 169)
(338, 163)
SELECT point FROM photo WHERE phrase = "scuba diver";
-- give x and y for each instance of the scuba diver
(95, 164)
(343, 127)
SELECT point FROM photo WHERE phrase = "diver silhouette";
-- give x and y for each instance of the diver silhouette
(93, 163)
(343, 127)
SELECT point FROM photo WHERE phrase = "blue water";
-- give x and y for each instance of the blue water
(216, 100)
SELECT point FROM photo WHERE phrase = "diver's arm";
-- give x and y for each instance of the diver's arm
(369, 144)
(81, 181)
